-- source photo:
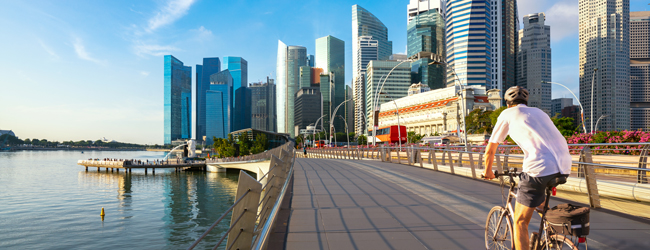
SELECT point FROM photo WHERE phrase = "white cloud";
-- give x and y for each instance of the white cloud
(202, 34)
(563, 19)
(142, 49)
(48, 50)
(144, 73)
(174, 10)
(80, 49)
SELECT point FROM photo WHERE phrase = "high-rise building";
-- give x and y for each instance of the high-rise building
(203, 72)
(504, 27)
(604, 32)
(468, 42)
(238, 68)
(417, 7)
(367, 51)
(325, 88)
(425, 45)
(365, 24)
(263, 105)
(178, 100)
(534, 61)
(330, 56)
(558, 104)
(290, 59)
(242, 109)
(349, 109)
(396, 85)
(640, 70)
(305, 76)
(218, 106)
(310, 60)
(307, 109)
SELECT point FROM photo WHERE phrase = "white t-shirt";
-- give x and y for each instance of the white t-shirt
(545, 149)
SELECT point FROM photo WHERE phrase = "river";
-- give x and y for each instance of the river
(47, 201)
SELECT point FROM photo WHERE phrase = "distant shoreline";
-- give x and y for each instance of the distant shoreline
(76, 149)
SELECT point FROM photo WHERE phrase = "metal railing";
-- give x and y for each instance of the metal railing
(607, 173)
(258, 202)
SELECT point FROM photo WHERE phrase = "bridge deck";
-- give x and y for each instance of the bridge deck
(339, 204)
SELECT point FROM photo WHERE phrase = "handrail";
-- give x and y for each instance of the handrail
(217, 222)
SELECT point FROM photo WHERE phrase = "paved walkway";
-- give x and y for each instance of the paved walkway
(342, 204)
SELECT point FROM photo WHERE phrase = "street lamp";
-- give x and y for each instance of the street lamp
(376, 101)
(399, 127)
(602, 116)
(593, 76)
(462, 100)
(313, 132)
(347, 135)
(334, 115)
(582, 111)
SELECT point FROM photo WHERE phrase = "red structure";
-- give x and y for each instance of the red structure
(390, 134)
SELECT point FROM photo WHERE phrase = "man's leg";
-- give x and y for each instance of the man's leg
(522, 219)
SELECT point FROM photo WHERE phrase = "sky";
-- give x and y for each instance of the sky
(84, 70)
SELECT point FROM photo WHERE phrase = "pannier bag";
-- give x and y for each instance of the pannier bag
(569, 219)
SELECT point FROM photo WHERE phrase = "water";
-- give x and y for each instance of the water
(47, 201)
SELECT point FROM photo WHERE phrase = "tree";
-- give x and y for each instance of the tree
(565, 125)
(245, 144)
(411, 137)
(260, 144)
(494, 116)
(362, 140)
(478, 121)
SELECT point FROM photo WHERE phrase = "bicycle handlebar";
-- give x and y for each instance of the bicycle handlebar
(511, 173)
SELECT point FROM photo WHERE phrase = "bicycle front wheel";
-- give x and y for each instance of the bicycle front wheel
(498, 229)
(560, 242)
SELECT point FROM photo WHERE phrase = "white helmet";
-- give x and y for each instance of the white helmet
(516, 93)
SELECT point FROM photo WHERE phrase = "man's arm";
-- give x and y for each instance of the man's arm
(488, 158)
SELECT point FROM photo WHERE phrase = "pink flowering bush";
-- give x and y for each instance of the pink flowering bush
(624, 136)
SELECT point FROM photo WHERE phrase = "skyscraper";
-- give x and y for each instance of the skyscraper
(396, 85)
(238, 68)
(504, 26)
(307, 107)
(203, 72)
(218, 106)
(426, 41)
(242, 109)
(368, 51)
(349, 108)
(534, 61)
(558, 104)
(263, 106)
(365, 24)
(468, 42)
(605, 44)
(640, 70)
(178, 100)
(330, 56)
(290, 59)
(417, 7)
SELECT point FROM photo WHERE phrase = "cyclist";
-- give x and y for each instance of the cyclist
(546, 156)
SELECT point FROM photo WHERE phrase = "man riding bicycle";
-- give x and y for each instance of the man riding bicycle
(546, 156)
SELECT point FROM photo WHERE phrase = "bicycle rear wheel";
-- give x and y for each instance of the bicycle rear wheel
(560, 242)
(501, 237)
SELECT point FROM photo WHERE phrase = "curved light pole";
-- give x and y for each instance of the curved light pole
(593, 76)
(347, 135)
(334, 115)
(376, 101)
(582, 111)
(313, 132)
(602, 116)
(462, 98)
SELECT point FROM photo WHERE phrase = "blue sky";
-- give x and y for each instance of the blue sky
(73, 70)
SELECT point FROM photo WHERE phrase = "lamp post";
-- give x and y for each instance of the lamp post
(602, 116)
(313, 132)
(376, 102)
(399, 127)
(582, 111)
(347, 135)
(334, 115)
(593, 76)
(462, 100)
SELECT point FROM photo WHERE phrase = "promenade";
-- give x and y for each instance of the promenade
(368, 204)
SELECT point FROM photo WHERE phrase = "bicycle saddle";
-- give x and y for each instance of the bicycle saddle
(557, 181)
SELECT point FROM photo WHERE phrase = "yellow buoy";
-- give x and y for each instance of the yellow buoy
(102, 214)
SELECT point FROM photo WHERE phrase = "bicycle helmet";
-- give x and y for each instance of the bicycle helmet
(516, 93)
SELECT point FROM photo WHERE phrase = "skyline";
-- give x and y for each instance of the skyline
(89, 70)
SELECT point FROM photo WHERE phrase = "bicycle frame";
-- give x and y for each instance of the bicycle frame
(509, 210)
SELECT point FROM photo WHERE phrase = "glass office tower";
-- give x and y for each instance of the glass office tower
(296, 57)
(468, 42)
(281, 87)
(178, 100)
(242, 116)
(218, 105)
(203, 72)
(365, 24)
(330, 56)
(426, 40)
(238, 68)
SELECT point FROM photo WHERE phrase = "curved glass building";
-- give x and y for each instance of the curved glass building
(468, 42)
(281, 87)
(178, 100)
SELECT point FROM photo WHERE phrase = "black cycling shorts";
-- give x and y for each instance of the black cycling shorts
(532, 190)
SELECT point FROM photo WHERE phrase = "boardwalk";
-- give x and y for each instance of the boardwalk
(340, 204)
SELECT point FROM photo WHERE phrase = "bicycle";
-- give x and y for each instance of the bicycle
(499, 223)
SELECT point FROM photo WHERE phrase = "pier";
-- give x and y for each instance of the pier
(127, 165)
